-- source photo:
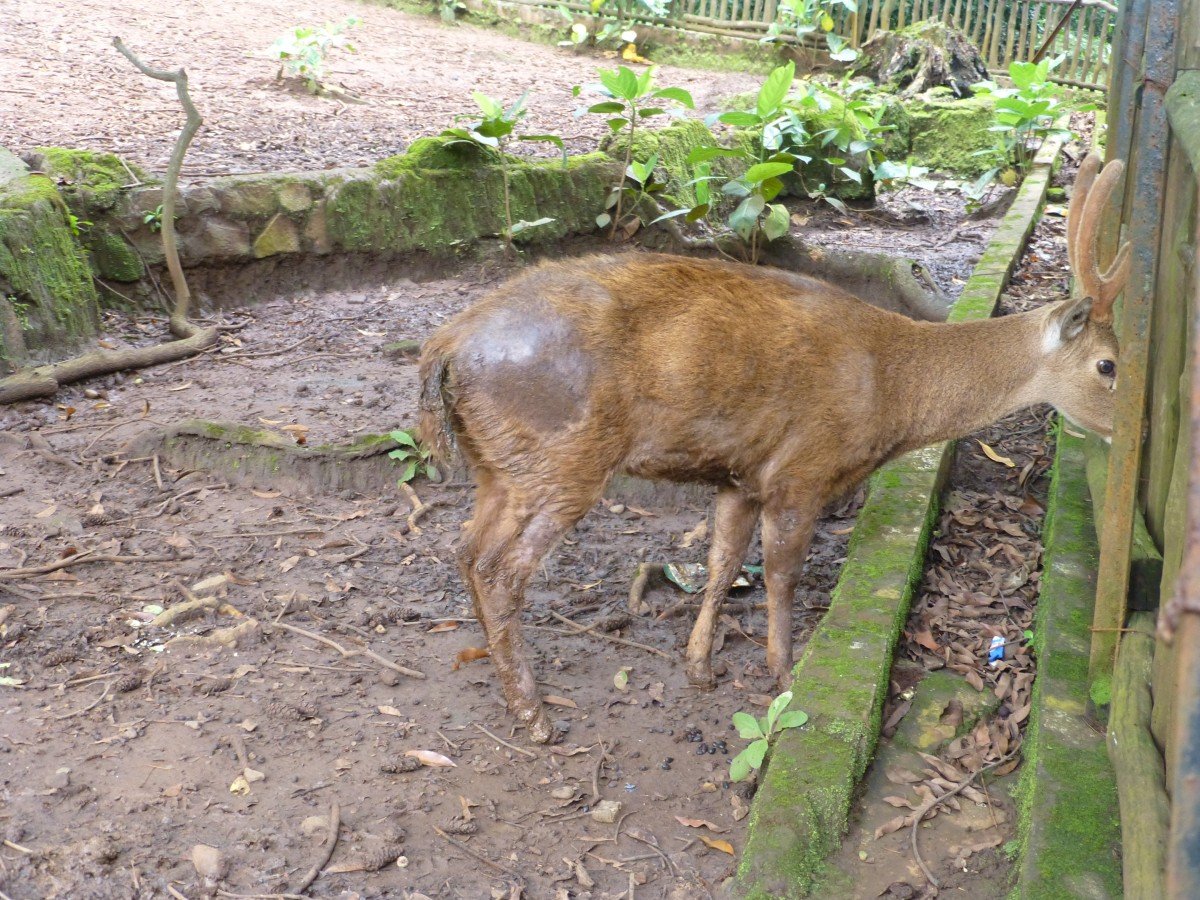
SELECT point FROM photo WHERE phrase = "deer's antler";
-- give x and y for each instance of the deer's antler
(1093, 189)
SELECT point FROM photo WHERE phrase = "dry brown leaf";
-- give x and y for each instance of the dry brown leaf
(47, 512)
(469, 654)
(952, 715)
(431, 758)
(390, 711)
(698, 823)
(295, 429)
(443, 626)
(555, 700)
(568, 751)
(899, 802)
(892, 825)
(926, 639)
(266, 495)
(900, 775)
(994, 456)
(974, 679)
(290, 563)
(723, 846)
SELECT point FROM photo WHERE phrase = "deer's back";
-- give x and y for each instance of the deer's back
(689, 369)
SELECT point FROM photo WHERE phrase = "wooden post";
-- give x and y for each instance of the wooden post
(1145, 223)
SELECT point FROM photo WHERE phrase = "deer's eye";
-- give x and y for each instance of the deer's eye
(1106, 367)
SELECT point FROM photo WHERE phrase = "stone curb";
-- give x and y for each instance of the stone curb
(1069, 826)
(801, 809)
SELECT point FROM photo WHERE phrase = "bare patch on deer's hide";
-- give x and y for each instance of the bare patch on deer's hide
(530, 361)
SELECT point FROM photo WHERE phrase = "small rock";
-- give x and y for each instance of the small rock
(313, 824)
(566, 792)
(606, 811)
(617, 508)
(210, 862)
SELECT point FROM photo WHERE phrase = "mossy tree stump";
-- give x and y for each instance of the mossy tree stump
(923, 56)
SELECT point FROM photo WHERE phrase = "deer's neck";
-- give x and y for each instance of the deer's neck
(951, 379)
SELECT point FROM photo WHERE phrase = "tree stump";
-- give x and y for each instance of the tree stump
(923, 56)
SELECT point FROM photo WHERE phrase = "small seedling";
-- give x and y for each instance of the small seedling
(302, 52)
(412, 456)
(153, 218)
(77, 225)
(760, 732)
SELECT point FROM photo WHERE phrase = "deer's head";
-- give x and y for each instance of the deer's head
(1080, 346)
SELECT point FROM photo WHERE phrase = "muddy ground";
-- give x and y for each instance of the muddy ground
(63, 84)
(120, 753)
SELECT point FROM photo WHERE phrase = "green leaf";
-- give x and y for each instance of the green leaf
(774, 89)
(679, 95)
(739, 119)
(763, 171)
(615, 125)
(649, 112)
(698, 212)
(792, 719)
(744, 219)
(622, 84)
(488, 106)
(777, 222)
(739, 767)
(755, 753)
(770, 189)
(518, 227)
(747, 726)
(850, 173)
(409, 471)
(603, 220)
(673, 214)
(608, 106)
(778, 705)
(403, 437)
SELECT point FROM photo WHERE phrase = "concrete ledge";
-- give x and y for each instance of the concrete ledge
(801, 809)
(1069, 826)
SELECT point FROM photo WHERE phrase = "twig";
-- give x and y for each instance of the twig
(157, 474)
(90, 706)
(83, 557)
(474, 854)
(580, 629)
(13, 845)
(265, 353)
(596, 773)
(10, 492)
(346, 654)
(653, 845)
(505, 743)
(933, 802)
(335, 824)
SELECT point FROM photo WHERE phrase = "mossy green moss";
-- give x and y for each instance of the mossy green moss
(672, 145)
(433, 199)
(43, 271)
(92, 182)
(1068, 821)
(951, 135)
(112, 256)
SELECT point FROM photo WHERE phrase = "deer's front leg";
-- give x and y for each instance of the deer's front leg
(787, 532)
(733, 526)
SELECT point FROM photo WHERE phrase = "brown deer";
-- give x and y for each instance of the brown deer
(781, 390)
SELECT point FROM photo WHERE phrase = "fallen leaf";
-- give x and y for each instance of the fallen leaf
(240, 786)
(555, 700)
(181, 387)
(723, 846)
(656, 693)
(390, 711)
(290, 563)
(443, 626)
(266, 495)
(952, 715)
(900, 775)
(470, 654)
(565, 751)
(270, 421)
(898, 802)
(431, 758)
(994, 456)
(891, 825)
(47, 512)
(927, 640)
(295, 429)
(621, 679)
(974, 680)
(698, 823)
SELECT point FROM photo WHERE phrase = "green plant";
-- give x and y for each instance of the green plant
(153, 218)
(412, 456)
(490, 134)
(631, 97)
(302, 52)
(761, 732)
(800, 18)
(611, 20)
(77, 225)
(1024, 119)
(448, 10)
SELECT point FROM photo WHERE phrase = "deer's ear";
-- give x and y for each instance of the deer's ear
(1067, 322)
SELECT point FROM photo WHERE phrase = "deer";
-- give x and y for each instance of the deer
(781, 390)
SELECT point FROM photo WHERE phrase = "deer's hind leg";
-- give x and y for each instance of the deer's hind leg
(733, 527)
(529, 523)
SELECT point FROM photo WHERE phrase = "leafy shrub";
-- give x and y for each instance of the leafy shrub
(761, 732)
(302, 52)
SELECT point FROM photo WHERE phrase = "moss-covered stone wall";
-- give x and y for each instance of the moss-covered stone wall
(44, 276)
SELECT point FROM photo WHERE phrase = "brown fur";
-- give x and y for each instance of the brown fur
(781, 390)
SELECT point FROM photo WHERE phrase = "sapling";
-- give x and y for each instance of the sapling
(631, 98)
(761, 733)
(302, 51)
(412, 456)
(490, 134)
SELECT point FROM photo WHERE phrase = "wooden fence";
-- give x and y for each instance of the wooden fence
(1080, 31)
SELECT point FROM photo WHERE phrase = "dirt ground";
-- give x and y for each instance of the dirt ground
(62, 83)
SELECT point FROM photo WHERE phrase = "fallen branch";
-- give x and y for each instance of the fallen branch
(580, 629)
(470, 851)
(44, 381)
(335, 824)
(933, 802)
(79, 558)
(346, 654)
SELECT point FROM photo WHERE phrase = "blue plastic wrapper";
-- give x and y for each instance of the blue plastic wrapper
(996, 650)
